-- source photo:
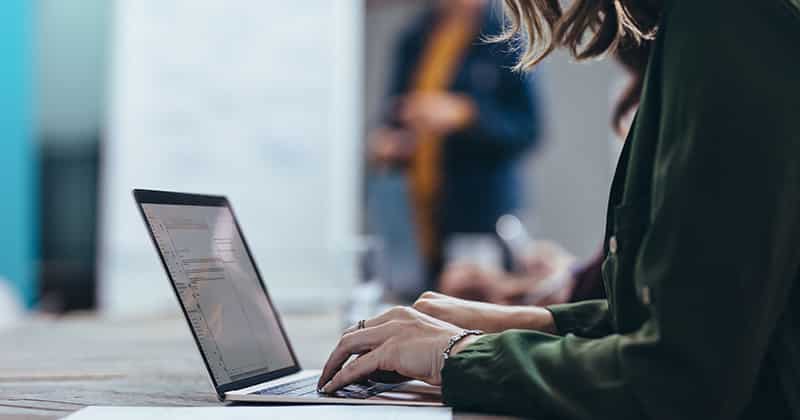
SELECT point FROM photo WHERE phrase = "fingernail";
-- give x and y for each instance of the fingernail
(326, 388)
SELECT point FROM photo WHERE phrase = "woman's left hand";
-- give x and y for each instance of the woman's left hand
(402, 341)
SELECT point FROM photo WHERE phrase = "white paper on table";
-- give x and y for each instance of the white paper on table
(329, 412)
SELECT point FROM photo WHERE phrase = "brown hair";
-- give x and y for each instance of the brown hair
(587, 28)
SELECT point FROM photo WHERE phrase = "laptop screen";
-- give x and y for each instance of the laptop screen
(216, 282)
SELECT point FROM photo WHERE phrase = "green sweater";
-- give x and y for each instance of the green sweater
(702, 242)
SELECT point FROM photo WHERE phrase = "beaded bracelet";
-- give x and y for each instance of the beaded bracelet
(455, 339)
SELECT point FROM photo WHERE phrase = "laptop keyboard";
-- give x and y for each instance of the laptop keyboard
(307, 388)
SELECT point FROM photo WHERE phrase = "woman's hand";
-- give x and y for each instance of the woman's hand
(401, 341)
(484, 316)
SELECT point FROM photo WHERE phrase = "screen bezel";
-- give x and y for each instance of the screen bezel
(183, 199)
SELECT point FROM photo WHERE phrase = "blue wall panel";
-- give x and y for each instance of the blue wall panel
(17, 150)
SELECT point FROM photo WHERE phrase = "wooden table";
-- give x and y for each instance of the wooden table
(51, 368)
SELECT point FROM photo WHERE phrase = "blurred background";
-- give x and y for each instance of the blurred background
(285, 107)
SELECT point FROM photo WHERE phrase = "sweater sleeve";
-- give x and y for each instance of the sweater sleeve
(585, 319)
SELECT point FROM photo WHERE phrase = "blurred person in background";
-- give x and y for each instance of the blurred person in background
(459, 120)
(549, 274)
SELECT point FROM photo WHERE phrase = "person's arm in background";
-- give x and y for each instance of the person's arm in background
(500, 119)
(390, 143)
(404, 57)
(496, 115)
(548, 275)
(507, 120)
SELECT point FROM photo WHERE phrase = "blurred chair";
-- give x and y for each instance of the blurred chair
(69, 196)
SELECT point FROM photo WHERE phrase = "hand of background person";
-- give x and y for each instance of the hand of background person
(473, 282)
(391, 146)
(439, 113)
(545, 258)
(547, 276)
(546, 279)
(484, 316)
(402, 341)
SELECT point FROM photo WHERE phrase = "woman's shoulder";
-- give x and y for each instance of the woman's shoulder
(732, 36)
(730, 66)
(794, 5)
(709, 14)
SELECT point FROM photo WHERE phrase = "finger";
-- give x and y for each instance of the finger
(426, 300)
(395, 313)
(431, 295)
(355, 371)
(356, 342)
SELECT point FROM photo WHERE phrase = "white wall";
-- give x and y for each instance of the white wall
(72, 39)
(570, 177)
(259, 100)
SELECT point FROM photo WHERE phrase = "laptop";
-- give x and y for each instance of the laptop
(238, 331)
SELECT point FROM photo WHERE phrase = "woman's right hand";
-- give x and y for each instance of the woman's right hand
(485, 316)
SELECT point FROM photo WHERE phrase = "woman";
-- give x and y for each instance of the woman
(702, 243)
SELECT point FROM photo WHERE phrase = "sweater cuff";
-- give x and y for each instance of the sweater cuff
(462, 373)
(588, 318)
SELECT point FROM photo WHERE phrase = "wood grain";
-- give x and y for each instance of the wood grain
(55, 367)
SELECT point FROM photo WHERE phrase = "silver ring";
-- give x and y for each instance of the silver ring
(362, 324)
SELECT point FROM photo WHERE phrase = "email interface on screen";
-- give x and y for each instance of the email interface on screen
(219, 288)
